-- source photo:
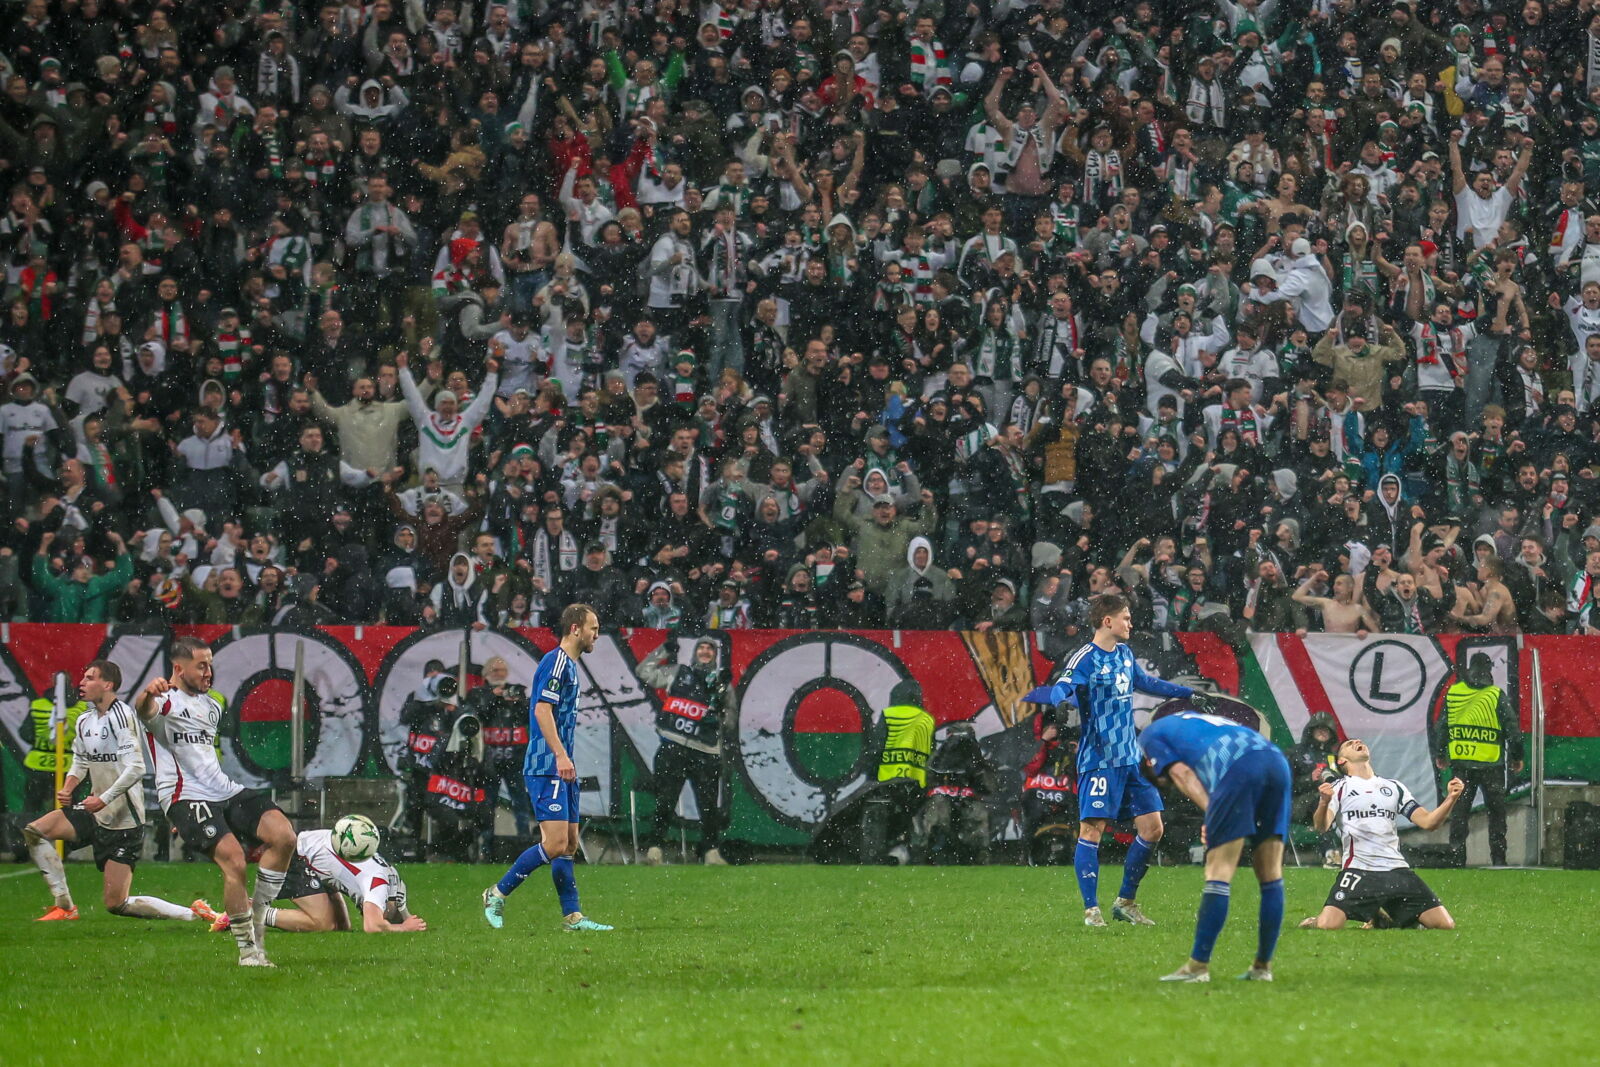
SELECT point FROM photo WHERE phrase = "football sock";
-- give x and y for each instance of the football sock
(269, 884)
(271, 918)
(561, 873)
(1086, 863)
(154, 908)
(243, 932)
(530, 860)
(1271, 920)
(1134, 866)
(1213, 913)
(55, 875)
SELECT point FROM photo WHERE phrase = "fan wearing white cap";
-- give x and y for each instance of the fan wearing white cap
(445, 434)
(24, 420)
(1304, 283)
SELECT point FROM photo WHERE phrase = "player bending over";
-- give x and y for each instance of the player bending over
(210, 811)
(1374, 876)
(319, 880)
(552, 779)
(105, 749)
(1100, 679)
(1242, 783)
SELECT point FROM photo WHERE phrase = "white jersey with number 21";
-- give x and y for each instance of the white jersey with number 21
(182, 735)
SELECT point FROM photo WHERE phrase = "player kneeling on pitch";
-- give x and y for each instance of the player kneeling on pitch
(105, 750)
(322, 873)
(1374, 876)
(1242, 783)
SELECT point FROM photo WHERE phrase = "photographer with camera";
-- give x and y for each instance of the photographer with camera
(953, 824)
(696, 712)
(502, 708)
(455, 795)
(426, 715)
(1050, 788)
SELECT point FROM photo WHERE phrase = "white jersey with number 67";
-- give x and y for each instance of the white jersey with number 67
(1365, 810)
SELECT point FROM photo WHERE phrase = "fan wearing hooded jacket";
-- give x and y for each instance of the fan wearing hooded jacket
(1389, 515)
(401, 570)
(456, 602)
(921, 596)
(374, 102)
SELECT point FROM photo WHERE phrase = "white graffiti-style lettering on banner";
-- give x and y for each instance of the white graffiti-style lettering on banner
(352, 720)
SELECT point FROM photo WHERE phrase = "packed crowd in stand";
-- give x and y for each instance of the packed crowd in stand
(1275, 316)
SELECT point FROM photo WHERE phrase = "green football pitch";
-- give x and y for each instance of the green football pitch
(805, 965)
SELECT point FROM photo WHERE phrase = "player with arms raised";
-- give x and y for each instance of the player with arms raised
(105, 750)
(1243, 784)
(209, 810)
(1373, 875)
(551, 777)
(1101, 678)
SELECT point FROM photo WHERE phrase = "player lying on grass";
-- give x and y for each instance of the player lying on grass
(319, 880)
(1242, 783)
(1374, 876)
(105, 750)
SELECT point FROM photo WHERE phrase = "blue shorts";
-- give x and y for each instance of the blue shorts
(1252, 800)
(1116, 793)
(553, 799)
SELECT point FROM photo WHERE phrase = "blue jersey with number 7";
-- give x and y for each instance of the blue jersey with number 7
(554, 683)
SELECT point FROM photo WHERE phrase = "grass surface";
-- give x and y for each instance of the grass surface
(800, 964)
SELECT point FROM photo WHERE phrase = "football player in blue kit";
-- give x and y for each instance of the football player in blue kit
(1243, 784)
(1101, 678)
(550, 775)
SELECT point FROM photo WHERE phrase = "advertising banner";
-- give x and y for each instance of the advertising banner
(807, 701)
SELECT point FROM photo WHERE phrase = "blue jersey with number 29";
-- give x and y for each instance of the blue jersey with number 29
(1102, 684)
(554, 683)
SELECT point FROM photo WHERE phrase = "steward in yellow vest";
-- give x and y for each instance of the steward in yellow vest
(1478, 737)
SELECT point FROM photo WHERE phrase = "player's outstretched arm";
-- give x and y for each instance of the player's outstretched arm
(1149, 683)
(145, 705)
(1432, 820)
(1185, 779)
(373, 922)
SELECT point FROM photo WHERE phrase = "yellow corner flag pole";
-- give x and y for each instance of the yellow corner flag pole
(61, 748)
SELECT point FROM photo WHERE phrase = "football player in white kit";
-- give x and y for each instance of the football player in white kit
(317, 877)
(1374, 876)
(106, 752)
(209, 810)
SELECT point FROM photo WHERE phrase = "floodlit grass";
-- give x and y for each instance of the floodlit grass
(805, 965)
